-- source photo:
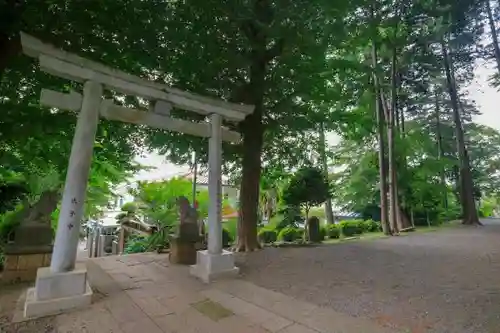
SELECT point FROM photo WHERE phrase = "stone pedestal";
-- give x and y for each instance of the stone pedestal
(57, 292)
(182, 251)
(213, 266)
(22, 267)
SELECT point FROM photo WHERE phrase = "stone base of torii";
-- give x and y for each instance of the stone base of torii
(64, 285)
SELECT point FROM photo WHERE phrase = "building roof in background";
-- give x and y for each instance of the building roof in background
(202, 178)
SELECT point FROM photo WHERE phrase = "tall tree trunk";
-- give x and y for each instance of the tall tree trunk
(494, 35)
(324, 165)
(381, 152)
(252, 130)
(468, 204)
(393, 193)
(439, 142)
(10, 41)
(252, 127)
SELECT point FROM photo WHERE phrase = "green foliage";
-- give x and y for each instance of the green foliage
(227, 239)
(159, 240)
(136, 244)
(332, 231)
(351, 228)
(267, 236)
(158, 200)
(129, 207)
(312, 68)
(231, 225)
(487, 207)
(322, 232)
(368, 225)
(289, 234)
(8, 222)
(290, 216)
(308, 187)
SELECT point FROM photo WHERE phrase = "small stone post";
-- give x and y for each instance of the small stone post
(75, 187)
(214, 186)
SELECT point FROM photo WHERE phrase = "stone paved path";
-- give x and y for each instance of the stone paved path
(143, 293)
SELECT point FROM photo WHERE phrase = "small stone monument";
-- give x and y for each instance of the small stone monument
(313, 230)
(31, 246)
(183, 243)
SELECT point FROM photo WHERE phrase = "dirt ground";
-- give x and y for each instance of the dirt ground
(436, 282)
(9, 296)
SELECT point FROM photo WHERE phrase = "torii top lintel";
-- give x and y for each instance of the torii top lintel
(70, 66)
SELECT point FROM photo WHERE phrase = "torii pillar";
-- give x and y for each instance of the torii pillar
(64, 284)
(214, 262)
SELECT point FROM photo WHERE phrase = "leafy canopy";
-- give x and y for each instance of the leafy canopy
(308, 187)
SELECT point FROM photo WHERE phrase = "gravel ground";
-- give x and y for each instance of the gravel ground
(436, 282)
(9, 296)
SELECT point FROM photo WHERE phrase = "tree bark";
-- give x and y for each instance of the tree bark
(439, 142)
(252, 127)
(10, 40)
(381, 152)
(393, 194)
(252, 130)
(324, 165)
(494, 35)
(470, 215)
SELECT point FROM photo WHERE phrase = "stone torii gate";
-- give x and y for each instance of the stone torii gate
(64, 284)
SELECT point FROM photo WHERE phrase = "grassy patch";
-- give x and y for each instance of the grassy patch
(212, 310)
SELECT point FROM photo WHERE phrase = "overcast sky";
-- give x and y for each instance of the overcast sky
(487, 99)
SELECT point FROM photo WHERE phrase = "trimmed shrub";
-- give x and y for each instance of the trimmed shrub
(289, 234)
(267, 236)
(322, 232)
(227, 239)
(351, 228)
(373, 226)
(129, 207)
(332, 231)
(368, 225)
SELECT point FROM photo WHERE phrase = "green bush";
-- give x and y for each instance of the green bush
(322, 232)
(136, 245)
(351, 228)
(332, 231)
(231, 225)
(267, 236)
(227, 239)
(9, 221)
(371, 226)
(129, 207)
(289, 234)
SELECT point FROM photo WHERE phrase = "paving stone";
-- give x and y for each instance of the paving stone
(276, 323)
(142, 326)
(297, 328)
(123, 309)
(152, 307)
(190, 321)
(237, 324)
